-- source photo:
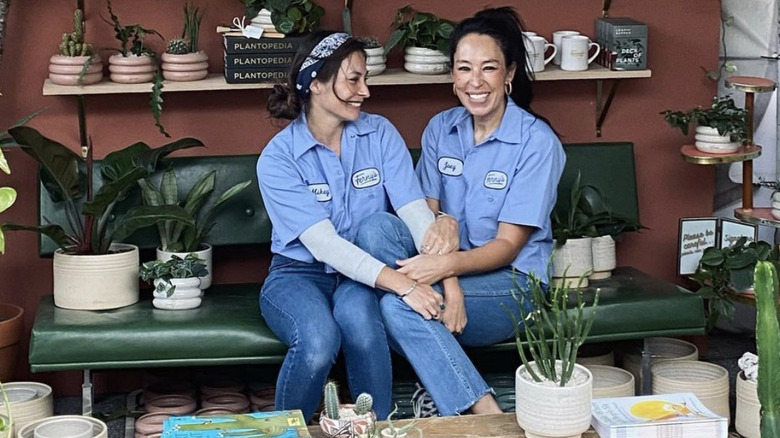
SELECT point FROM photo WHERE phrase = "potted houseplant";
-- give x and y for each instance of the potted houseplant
(721, 128)
(86, 243)
(135, 63)
(177, 281)
(553, 393)
(182, 237)
(182, 61)
(768, 347)
(376, 62)
(425, 39)
(348, 420)
(76, 64)
(289, 17)
(722, 272)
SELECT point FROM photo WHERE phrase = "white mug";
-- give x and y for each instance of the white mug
(575, 52)
(536, 47)
(557, 35)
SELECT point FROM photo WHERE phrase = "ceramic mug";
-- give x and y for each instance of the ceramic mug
(557, 36)
(536, 47)
(575, 52)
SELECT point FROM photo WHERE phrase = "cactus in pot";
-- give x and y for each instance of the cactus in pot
(768, 347)
(347, 421)
(76, 63)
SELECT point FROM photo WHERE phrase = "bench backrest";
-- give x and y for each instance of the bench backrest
(244, 221)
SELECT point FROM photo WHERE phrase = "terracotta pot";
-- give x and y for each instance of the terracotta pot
(131, 69)
(11, 326)
(65, 70)
(187, 67)
(349, 425)
(548, 410)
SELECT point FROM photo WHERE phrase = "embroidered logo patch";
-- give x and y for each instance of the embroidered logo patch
(450, 166)
(366, 178)
(496, 180)
(321, 192)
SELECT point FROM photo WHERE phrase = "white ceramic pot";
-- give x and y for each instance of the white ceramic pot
(604, 259)
(660, 349)
(548, 410)
(348, 425)
(180, 294)
(710, 382)
(601, 359)
(609, 381)
(64, 427)
(425, 61)
(376, 62)
(131, 69)
(65, 70)
(186, 67)
(747, 418)
(204, 254)
(99, 429)
(26, 410)
(709, 140)
(96, 282)
(574, 259)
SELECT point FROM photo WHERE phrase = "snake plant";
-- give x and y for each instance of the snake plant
(768, 346)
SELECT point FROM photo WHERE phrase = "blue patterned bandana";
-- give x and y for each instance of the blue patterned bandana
(313, 63)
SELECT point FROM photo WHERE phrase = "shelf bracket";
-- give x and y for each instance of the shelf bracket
(605, 8)
(602, 106)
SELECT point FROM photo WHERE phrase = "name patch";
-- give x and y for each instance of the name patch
(321, 192)
(450, 166)
(366, 178)
(496, 180)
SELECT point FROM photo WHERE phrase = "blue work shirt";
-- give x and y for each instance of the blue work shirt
(512, 176)
(302, 182)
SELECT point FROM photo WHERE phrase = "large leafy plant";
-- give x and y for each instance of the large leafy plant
(289, 17)
(722, 115)
(68, 178)
(420, 29)
(553, 333)
(768, 347)
(723, 271)
(186, 236)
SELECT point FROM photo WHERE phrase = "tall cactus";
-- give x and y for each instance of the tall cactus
(331, 395)
(768, 346)
(363, 404)
(73, 43)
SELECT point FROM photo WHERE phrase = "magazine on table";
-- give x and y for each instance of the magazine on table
(278, 424)
(657, 416)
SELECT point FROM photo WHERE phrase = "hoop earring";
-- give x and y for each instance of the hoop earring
(508, 88)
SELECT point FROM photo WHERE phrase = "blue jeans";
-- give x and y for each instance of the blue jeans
(315, 314)
(436, 354)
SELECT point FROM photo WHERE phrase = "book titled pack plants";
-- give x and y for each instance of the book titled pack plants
(623, 43)
(278, 424)
(657, 416)
(241, 44)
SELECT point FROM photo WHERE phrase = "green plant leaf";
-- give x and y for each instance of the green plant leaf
(7, 198)
(58, 162)
(142, 216)
(54, 232)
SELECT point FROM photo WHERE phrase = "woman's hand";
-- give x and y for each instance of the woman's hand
(427, 269)
(441, 237)
(425, 301)
(454, 317)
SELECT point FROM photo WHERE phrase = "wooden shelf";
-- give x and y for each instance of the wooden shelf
(693, 155)
(759, 216)
(216, 81)
(750, 84)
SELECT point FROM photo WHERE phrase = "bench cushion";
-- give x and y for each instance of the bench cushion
(227, 329)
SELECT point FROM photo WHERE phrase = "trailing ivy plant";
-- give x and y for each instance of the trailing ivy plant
(290, 17)
(722, 115)
(420, 29)
(131, 39)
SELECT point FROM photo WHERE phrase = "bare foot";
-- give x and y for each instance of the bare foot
(486, 405)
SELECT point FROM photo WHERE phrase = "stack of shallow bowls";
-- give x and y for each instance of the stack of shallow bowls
(661, 350)
(149, 425)
(611, 381)
(29, 401)
(709, 382)
(263, 398)
(64, 426)
(376, 62)
(174, 404)
(424, 61)
(233, 401)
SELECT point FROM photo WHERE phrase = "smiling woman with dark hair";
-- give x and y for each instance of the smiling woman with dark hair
(328, 181)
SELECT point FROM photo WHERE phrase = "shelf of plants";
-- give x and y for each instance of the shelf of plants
(216, 81)
(693, 155)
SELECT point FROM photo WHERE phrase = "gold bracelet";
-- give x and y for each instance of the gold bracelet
(408, 291)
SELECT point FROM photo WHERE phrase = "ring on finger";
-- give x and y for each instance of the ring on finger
(442, 306)
(439, 252)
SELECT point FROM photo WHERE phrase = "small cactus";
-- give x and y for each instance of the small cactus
(73, 43)
(331, 394)
(177, 46)
(363, 404)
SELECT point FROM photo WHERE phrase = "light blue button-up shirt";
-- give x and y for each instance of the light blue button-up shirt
(512, 176)
(302, 182)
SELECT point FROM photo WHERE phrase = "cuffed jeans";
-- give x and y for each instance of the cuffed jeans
(315, 314)
(436, 354)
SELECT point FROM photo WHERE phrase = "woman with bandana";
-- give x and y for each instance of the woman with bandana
(494, 165)
(329, 180)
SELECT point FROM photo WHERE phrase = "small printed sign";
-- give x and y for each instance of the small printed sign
(698, 234)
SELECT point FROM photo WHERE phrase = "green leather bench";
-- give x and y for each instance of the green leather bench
(228, 329)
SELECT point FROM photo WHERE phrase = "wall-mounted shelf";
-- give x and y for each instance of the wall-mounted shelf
(758, 216)
(216, 81)
(695, 156)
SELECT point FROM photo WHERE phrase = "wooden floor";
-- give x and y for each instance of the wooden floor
(466, 426)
